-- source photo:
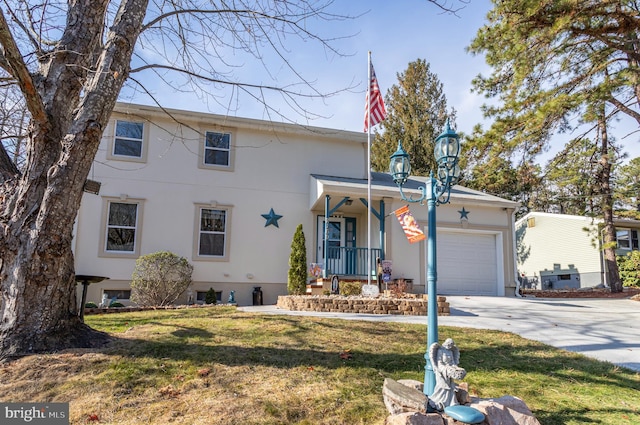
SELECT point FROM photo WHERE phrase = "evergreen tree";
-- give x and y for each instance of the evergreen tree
(554, 64)
(416, 114)
(297, 277)
(628, 189)
(570, 179)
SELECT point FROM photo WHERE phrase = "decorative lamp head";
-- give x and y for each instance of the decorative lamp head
(446, 151)
(399, 167)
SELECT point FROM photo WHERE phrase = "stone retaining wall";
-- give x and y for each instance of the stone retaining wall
(362, 305)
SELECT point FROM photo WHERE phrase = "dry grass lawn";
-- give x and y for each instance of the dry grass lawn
(220, 366)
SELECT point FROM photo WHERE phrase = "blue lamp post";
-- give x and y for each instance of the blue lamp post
(436, 191)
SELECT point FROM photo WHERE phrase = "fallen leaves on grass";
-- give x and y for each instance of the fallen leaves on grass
(204, 372)
(93, 418)
(346, 355)
(169, 391)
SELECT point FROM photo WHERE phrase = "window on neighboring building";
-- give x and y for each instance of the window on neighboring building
(216, 151)
(623, 237)
(128, 139)
(212, 233)
(120, 294)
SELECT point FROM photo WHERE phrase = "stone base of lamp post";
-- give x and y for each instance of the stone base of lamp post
(407, 404)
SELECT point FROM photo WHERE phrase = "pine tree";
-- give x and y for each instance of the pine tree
(416, 114)
(555, 64)
(297, 278)
(628, 189)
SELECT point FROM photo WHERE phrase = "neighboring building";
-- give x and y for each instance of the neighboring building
(228, 193)
(557, 251)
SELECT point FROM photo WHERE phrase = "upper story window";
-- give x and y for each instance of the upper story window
(121, 228)
(129, 141)
(216, 151)
(216, 148)
(212, 233)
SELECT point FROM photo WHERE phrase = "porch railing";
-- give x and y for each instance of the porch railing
(350, 261)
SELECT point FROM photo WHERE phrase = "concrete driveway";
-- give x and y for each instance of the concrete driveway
(604, 329)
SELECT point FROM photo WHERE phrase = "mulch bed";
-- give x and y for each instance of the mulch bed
(628, 292)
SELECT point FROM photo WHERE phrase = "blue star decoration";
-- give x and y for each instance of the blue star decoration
(464, 214)
(272, 218)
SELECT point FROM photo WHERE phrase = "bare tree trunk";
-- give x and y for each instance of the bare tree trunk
(38, 306)
(603, 180)
(39, 310)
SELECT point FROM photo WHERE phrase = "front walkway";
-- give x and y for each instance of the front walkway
(604, 329)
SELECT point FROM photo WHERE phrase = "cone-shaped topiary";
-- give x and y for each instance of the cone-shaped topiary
(297, 278)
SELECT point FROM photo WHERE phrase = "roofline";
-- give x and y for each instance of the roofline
(597, 220)
(356, 186)
(240, 122)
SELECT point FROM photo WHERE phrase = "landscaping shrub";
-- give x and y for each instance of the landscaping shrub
(629, 268)
(210, 297)
(91, 304)
(350, 288)
(297, 277)
(159, 278)
(116, 304)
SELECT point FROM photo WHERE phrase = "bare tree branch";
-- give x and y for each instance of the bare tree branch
(13, 58)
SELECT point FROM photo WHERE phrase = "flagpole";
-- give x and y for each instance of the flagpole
(369, 170)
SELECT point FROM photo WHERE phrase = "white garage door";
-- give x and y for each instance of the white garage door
(467, 264)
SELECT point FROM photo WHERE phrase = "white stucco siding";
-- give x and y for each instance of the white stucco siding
(475, 256)
(557, 239)
(268, 171)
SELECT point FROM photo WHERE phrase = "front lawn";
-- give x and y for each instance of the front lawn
(220, 366)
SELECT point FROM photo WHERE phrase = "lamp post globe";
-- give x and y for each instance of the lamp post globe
(400, 167)
(435, 191)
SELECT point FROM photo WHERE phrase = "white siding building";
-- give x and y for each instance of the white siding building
(557, 251)
(228, 193)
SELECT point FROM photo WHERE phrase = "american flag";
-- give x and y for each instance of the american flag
(376, 106)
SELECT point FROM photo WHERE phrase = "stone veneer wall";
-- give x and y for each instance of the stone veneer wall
(363, 305)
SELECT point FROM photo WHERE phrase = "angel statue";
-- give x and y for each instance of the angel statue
(444, 360)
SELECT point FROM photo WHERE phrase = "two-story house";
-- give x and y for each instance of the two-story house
(228, 193)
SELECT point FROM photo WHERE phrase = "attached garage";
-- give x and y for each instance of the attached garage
(468, 263)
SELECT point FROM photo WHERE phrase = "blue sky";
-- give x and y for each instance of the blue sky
(396, 32)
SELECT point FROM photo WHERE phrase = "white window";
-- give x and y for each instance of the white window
(623, 236)
(128, 141)
(121, 223)
(212, 233)
(121, 227)
(216, 151)
(216, 148)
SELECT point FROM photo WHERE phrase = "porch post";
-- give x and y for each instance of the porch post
(381, 220)
(325, 235)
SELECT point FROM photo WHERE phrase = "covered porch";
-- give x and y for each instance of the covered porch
(347, 242)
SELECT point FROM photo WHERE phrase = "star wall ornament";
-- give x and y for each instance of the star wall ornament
(464, 214)
(272, 218)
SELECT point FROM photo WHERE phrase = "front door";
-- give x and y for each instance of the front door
(341, 239)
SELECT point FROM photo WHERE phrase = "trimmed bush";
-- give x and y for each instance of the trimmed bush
(91, 304)
(210, 297)
(297, 277)
(159, 279)
(350, 288)
(116, 304)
